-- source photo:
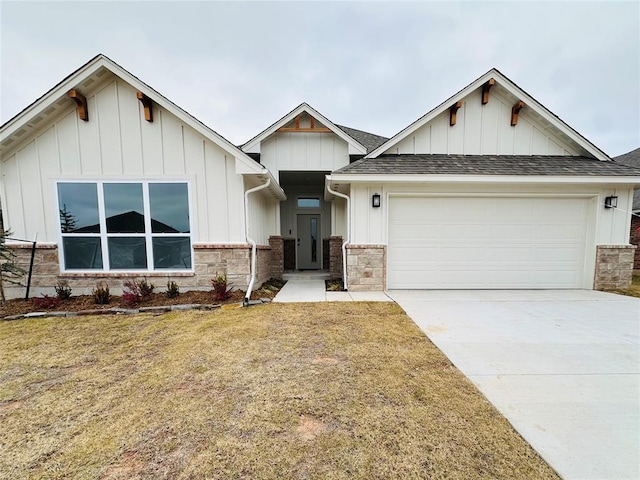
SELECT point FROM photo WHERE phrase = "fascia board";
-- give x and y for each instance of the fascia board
(513, 179)
(253, 145)
(514, 90)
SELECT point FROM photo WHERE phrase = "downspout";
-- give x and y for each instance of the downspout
(344, 244)
(247, 296)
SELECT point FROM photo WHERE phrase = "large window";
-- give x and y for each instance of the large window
(125, 226)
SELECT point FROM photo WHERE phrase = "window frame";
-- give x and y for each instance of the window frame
(104, 236)
(308, 197)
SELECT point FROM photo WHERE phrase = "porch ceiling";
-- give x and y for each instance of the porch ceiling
(301, 178)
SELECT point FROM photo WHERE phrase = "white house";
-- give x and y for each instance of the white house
(487, 190)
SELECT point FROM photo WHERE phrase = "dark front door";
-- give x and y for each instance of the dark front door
(308, 244)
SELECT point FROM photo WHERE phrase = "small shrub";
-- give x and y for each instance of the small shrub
(134, 292)
(101, 294)
(172, 289)
(221, 290)
(63, 290)
(45, 301)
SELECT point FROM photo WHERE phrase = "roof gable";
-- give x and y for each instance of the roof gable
(52, 102)
(560, 137)
(290, 123)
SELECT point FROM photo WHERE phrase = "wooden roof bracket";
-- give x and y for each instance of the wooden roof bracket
(485, 90)
(81, 104)
(515, 111)
(311, 129)
(453, 110)
(147, 103)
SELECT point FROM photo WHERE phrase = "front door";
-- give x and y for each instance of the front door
(308, 244)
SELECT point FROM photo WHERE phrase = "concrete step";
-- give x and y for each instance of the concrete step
(306, 275)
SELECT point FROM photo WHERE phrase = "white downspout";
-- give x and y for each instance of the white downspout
(250, 240)
(344, 244)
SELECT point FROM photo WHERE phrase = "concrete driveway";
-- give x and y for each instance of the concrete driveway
(562, 365)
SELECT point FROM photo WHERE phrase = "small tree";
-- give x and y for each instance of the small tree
(9, 271)
(67, 220)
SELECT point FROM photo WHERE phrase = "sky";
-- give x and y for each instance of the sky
(375, 66)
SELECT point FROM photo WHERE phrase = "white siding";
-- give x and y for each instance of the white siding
(610, 226)
(117, 143)
(304, 151)
(485, 130)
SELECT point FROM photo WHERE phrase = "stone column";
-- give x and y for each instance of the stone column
(366, 267)
(276, 242)
(335, 256)
(614, 266)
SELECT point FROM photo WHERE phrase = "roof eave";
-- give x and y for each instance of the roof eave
(514, 179)
(513, 89)
(102, 61)
(252, 145)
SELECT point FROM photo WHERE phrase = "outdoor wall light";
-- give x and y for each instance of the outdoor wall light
(611, 202)
(375, 200)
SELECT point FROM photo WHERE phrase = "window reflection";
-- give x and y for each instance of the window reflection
(78, 208)
(124, 207)
(169, 207)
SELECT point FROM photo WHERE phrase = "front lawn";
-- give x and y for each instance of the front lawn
(279, 391)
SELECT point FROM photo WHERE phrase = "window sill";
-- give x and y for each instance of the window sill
(112, 274)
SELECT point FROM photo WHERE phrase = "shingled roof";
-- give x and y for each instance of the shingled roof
(369, 140)
(632, 159)
(487, 165)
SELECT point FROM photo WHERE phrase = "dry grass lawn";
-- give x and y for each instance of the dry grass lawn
(299, 391)
(633, 290)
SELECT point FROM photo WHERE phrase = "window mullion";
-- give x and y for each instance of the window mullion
(103, 226)
(147, 225)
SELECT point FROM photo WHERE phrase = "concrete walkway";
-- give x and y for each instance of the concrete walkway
(562, 365)
(309, 286)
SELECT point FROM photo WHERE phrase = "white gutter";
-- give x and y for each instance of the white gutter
(344, 244)
(249, 239)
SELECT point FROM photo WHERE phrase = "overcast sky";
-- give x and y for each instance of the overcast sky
(375, 66)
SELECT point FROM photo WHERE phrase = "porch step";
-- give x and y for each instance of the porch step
(305, 275)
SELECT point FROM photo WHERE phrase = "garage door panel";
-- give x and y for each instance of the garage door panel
(486, 242)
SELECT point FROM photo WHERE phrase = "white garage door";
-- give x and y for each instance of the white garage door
(481, 242)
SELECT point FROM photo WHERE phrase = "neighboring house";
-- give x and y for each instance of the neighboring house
(488, 190)
(632, 159)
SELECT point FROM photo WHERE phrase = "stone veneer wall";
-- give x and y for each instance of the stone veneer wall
(209, 260)
(335, 256)
(614, 266)
(635, 239)
(366, 267)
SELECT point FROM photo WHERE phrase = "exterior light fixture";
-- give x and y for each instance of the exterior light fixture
(611, 202)
(375, 200)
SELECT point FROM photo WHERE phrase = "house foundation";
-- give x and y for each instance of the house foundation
(209, 260)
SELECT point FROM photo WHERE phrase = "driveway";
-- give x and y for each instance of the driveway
(562, 365)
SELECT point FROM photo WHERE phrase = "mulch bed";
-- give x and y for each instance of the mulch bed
(86, 302)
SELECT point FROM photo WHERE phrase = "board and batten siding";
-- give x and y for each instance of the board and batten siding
(484, 130)
(304, 151)
(118, 144)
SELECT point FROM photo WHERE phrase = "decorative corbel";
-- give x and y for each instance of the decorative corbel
(147, 103)
(515, 111)
(453, 109)
(81, 102)
(485, 90)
